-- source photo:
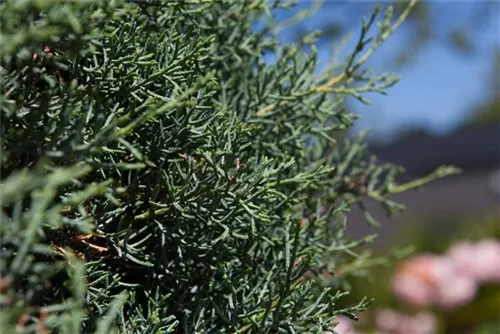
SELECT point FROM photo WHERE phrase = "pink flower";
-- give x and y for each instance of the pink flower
(432, 280)
(425, 323)
(390, 321)
(455, 291)
(413, 282)
(479, 261)
(344, 326)
(462, 254)
(451, 288)
(412, 290)
(448, 281)
(488, 260)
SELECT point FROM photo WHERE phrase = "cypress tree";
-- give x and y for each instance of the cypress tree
(158, 176)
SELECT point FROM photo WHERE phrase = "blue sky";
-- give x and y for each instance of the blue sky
(437, 89)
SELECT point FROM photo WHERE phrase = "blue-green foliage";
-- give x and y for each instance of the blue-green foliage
(159, 177)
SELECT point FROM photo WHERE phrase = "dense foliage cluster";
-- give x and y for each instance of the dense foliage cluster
(158, 176)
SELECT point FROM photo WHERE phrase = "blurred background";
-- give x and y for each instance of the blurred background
(444, 110)
(447, 53)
